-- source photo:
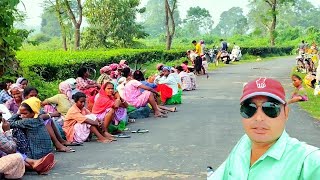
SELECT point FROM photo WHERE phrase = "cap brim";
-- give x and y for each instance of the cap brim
(262, 94)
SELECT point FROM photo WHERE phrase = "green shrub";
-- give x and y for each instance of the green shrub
(55, 65)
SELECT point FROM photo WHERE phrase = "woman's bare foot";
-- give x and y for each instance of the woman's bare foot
(104, 140)
(109, 136)
(65, 149)
(159, 114)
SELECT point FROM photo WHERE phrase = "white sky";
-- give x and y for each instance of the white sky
(216, 7)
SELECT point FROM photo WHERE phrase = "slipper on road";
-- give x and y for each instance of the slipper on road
(140, 131)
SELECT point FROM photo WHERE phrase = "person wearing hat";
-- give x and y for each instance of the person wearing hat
(266, 151)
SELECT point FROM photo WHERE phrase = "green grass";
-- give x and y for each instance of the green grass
(312, 105)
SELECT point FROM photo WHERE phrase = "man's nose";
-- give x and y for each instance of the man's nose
(259, 114)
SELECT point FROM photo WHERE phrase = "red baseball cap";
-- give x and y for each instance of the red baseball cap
(264, 87)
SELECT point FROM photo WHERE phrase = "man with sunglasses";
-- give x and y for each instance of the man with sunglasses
(266, 151)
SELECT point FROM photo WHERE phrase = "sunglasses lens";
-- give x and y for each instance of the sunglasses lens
(271, 109)
(247, 110)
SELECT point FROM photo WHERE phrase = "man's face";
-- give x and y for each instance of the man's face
(194, 43)
(261, 128)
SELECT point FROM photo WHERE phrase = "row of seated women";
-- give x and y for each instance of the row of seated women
(70, 117)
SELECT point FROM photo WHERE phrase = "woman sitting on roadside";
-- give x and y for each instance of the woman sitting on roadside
(87, 86)
(138, 75)
(13, 104)
(135, 97)
(22, 82)
(185, 79)
(35, 136)
(13, 163)
(105, 75)
(63, 100)
(53, 131)
(79, 122)
(168, 79)
(109, 107)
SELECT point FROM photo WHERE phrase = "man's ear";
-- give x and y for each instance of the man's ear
(286, 111)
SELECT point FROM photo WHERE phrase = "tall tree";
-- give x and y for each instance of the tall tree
(10, 38)
(270, 18)
(170, 23)
(198, 21)
(113, 21)
(153, 21)
(76, 21)
(231, 22)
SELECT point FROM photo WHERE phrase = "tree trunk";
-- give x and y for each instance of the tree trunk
(169, 42)
(64, 41)
(76, 24)
(273, 23)
(169, 16)
(62, 25)
(77, 37)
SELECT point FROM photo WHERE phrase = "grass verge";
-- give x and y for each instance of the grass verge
(312, 105)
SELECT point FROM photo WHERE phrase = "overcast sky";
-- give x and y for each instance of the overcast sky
(33, 8)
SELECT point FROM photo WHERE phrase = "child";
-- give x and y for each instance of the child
(299, 93)
(205, 65)
(79, 122)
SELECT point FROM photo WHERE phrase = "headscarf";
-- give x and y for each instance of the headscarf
(14, 86)
(114, 66)
(35, 105)
(65, 88)
(114, 74)
(103, 102)
(105, 69)
(20, 79)
(166, 68)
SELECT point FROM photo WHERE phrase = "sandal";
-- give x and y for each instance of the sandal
(122, 136)
(45, 161)
(73, 144)
(131, 120)
(47, 168)
(140, 131)
(65, 150)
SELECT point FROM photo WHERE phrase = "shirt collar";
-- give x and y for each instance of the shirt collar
(276, 150)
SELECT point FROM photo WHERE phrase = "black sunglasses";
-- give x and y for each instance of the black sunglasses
(271, 109)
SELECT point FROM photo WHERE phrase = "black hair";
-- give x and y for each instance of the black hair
(8, 81)
(107, 83)
(185, 62)
(194, 41)
(138, 75)
(302, 41)
(221, 40)
(82, 71)
(179, 68)
(28, 90)
(160, 68)
(78, 95)
(3, 85)
(28, 108)
(126, 72)
(296, 76)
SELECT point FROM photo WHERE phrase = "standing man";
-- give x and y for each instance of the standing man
(197, 46)
(266, 151)
(302, 47)
(224, 45)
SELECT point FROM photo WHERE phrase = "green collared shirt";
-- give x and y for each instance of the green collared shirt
(287, 159)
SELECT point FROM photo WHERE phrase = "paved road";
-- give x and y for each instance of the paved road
(203, 132)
